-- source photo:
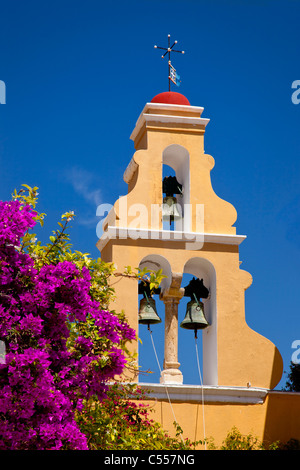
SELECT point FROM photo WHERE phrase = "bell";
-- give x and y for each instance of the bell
(147, 312)
(194, 318)
(171, 186)
(169, 209)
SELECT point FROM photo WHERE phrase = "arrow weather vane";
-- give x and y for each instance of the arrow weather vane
(172, 72)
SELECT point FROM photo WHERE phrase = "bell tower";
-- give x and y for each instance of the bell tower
(179, 225)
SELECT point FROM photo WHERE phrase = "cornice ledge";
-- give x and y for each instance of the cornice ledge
(212, 394)
(145, 116)
(114, 232)
(130, 170)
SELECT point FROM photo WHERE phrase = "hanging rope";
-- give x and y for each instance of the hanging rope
(197, 355)
(167, 392)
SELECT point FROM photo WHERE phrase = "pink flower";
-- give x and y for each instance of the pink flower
(48, 373)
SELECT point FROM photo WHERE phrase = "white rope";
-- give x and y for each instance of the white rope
(197, 355)
(167, 392)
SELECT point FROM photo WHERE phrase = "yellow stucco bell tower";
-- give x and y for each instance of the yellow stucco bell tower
(203, 242)
(241, 368)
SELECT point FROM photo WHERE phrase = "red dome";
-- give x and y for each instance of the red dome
(171, 97)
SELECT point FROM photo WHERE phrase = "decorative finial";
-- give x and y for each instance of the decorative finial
(173, 76)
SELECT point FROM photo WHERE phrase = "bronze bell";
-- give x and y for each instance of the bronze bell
(147, 312)
(194, 318)
(169, 209)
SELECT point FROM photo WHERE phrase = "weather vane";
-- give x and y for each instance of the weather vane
(173, 76)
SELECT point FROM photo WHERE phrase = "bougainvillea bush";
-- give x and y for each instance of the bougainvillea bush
(122, 421)
(62, 348)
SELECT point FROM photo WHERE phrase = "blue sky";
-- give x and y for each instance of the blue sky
(77, 76)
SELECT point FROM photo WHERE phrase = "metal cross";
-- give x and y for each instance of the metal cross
(168, 50)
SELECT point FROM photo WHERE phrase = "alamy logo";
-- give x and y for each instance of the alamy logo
(137, 221)
(2, 92)
(296, 94)
(295, 356)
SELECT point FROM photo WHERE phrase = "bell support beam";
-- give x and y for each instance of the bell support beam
(171, 298)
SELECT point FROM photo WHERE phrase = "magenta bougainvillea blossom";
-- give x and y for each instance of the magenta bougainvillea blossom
(45, 378)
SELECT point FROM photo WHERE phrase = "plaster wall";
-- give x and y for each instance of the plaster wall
(276, 419)
(241, 355)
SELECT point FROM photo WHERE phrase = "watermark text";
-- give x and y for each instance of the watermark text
(296, 94)
(2, 92)
(159, 221)
(296, 354)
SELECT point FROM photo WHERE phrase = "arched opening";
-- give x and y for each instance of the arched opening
(187, 352)
(168, 172)
(175, 160)
(207, 338)
(151, 346)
